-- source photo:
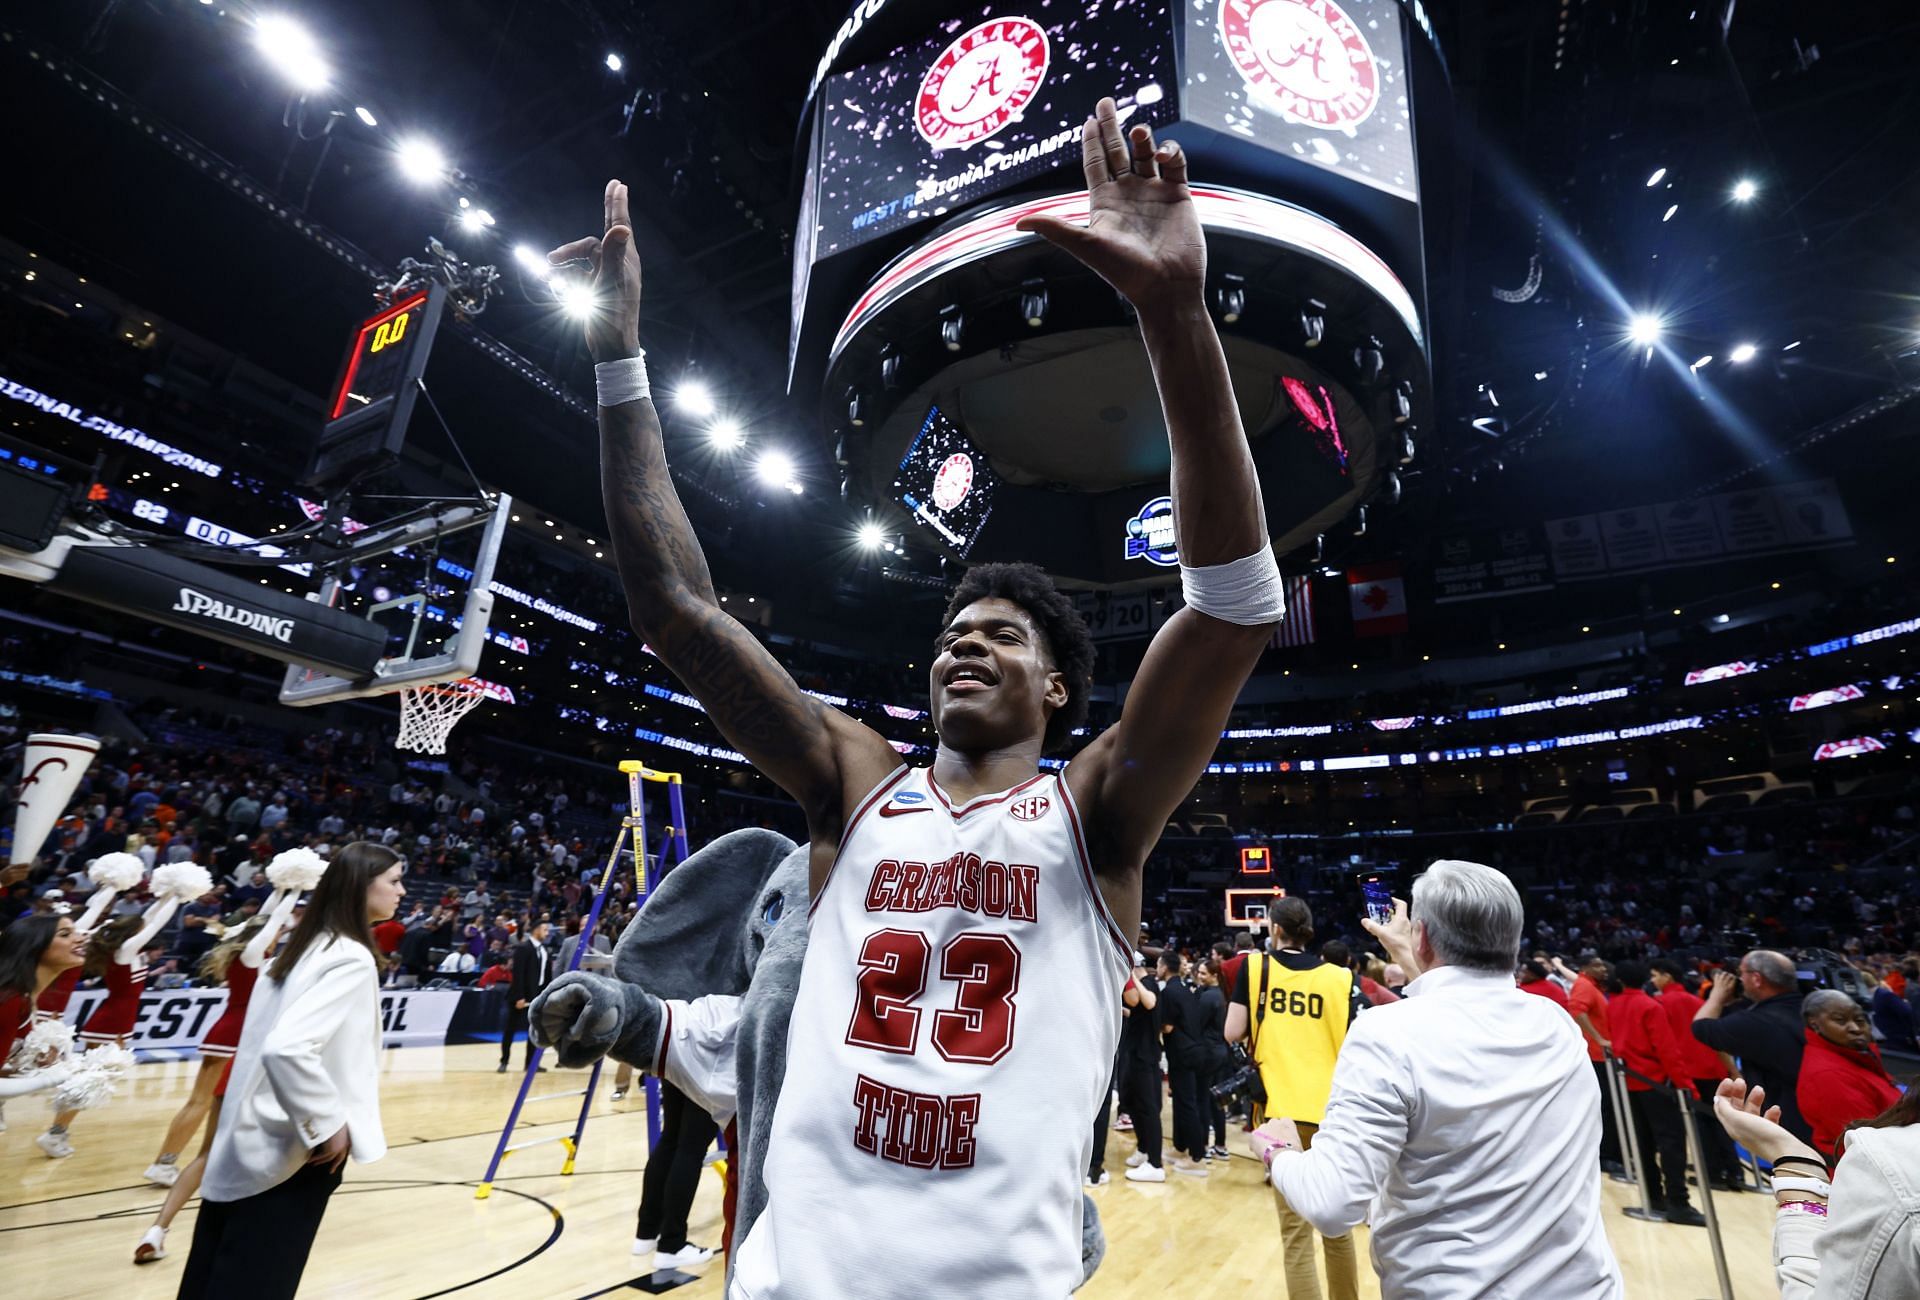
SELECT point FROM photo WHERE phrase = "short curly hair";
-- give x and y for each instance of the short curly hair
(1067, 640)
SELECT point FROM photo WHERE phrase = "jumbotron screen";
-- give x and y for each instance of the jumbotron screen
(993, 98)
(946, 483)
(1322, 80)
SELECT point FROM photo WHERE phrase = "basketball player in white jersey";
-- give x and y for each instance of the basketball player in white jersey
(959, 1005)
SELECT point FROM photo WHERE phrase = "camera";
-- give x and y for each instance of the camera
(1240, 1085)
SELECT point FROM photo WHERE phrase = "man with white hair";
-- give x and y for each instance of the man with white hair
(1464, 1119)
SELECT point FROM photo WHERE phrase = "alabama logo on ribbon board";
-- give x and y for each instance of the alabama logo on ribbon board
(981, 82)
(1303, 59)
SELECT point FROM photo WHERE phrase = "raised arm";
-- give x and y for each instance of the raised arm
(256, 950)
(816, 754)
(151, 924)
(1143, 237)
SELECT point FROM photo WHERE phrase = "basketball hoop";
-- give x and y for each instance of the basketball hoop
(429, 712)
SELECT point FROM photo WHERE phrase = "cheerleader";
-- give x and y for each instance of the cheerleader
(237, 961)
(117, 950)
(35, 952)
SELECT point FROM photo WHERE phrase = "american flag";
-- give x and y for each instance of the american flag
(1296, 628)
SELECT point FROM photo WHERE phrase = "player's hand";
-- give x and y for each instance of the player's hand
(1143, 233)
(613, 326)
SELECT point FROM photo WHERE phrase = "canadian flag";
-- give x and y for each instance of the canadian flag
(1379, 598)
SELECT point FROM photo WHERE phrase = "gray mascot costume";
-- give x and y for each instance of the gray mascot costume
(702, 992)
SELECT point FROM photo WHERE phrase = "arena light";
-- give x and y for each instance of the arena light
(775, 469)
(727, 435)
(291, 49)
(531, 261)
(1703, 361)
(575, 298)
(1645, 329)
(1033, 302)
(1668, 214)
(871, 536)
(365, 115)
(953, 328)
(1742, 353)
(614, 62)
(1744, 190)
(476, 219)
(421, 161)
(692, 397)
(1659, 174)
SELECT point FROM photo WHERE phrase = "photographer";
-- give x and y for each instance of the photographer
(1767, 1034)
(1299, 1008)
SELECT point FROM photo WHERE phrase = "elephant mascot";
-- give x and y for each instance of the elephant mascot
(702, 992)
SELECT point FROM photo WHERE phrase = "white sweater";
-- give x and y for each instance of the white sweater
(1867, 1247)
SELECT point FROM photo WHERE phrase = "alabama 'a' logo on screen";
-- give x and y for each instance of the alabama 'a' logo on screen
(1303, 59)
(981, 82)
(953, 482)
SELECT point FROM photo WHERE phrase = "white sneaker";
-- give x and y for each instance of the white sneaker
(686, 1257)
(1147, 1174)
(165, 1174)
(1192, 1168)
(55, 1145)
(1137, 1159)
(153, 1245)
(1101, 1181)
(645, 1245)
(618, 1093)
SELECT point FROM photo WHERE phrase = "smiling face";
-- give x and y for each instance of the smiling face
(992, 682)
(67, 949)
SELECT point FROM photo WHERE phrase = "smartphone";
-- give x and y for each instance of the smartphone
(1376, 888)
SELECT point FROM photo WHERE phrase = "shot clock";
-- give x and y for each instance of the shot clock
(373, 398)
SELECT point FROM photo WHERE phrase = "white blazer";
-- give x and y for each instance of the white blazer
(308, 1062)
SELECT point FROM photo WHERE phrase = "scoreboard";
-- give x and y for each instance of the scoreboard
(379, 378)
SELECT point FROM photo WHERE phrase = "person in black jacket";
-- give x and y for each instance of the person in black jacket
(1212, 1032)
(1768, 1036)
(1187, 1058)
(532, 967)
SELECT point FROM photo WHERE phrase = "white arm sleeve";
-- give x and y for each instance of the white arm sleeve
(696, 1053)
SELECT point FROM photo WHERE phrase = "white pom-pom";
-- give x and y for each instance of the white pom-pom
(185, 881)
(92, 1077)
(116, 870)
(296, 869)
(45, 1043)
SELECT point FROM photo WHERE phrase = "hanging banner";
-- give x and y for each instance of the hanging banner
(1496, 562)
(1378, 595)
(1671, 534)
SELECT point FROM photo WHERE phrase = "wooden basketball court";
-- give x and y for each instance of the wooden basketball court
(409, 1227)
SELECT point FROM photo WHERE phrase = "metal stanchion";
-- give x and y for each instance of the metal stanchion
(1616, 1098)
(1630, 1141)
(1696, 1152)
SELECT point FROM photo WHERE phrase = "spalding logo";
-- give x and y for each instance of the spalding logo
(1303, 59)
(981, 82)
(1031, 809)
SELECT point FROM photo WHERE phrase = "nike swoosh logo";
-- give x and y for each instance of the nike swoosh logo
(892, 811)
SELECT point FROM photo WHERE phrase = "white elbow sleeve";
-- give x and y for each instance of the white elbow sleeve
(1248, 592)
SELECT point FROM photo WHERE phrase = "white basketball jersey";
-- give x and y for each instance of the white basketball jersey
(951, 1041)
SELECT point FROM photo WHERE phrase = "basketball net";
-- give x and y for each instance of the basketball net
(428, 713)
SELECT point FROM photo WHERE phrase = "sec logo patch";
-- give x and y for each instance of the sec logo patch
(981, 82)
(1303, 59)
(1031, 809)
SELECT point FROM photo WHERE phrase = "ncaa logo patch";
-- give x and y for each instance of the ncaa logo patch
(981, 82)
(1303, 59)
(1030, 809)
(909, 797)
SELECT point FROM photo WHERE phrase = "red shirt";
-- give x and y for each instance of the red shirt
(1702, 1062)
(1230, 970)
(388, 935)
(1644, 1042)
(1587, 999)
(1377, 993)
(1550, 991)
(1838, 1086)
(16, 1018)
